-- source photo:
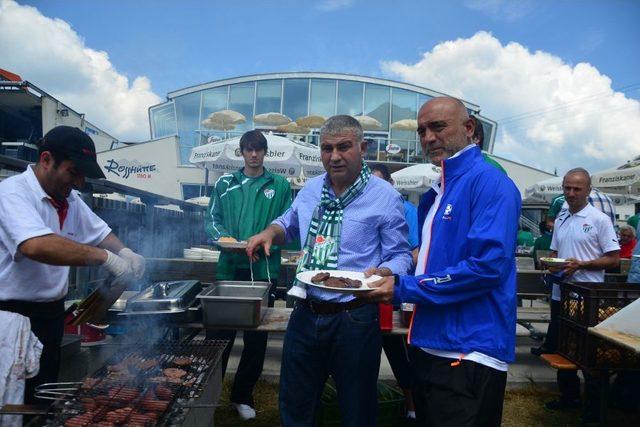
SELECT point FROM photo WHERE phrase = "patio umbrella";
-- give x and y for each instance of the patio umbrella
(405, 124)
(311, 121)
(624, 179)
(284, 157)
(200, 201)
(223, 120)
(417, 177)
(271, 119)
(293, 128)
(368, 123)
(549, 189)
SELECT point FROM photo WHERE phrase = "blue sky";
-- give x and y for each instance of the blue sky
(562, 78)
(181, 43)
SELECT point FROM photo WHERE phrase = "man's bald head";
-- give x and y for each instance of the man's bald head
(444, 128)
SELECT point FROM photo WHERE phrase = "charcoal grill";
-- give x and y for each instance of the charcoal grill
(132, 390)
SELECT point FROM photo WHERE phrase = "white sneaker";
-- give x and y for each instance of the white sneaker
(245, 412)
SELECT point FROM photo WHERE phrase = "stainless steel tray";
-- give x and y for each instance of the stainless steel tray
(229, 304)
(165, 297)
(121, 303)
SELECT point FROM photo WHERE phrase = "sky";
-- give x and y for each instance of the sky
(561, 78)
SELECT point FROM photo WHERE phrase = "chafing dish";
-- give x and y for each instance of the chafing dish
(229, 304)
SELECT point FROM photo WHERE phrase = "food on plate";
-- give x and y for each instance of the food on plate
(342, 282)
(174, 373)
(227, 239)
(320, 277)
(330, 281)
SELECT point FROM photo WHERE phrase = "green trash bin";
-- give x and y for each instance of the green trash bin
(391, 406)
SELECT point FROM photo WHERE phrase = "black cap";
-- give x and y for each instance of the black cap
(77, 146)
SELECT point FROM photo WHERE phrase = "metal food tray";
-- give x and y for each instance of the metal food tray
(234, 304)
(164, 298)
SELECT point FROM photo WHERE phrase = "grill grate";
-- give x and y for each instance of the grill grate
(143, 387)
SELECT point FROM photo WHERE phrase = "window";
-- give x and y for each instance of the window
(350, 98)
(268, 96)
(376, 103)
(241, 100)
(188, 116)
(189, 191)
(403, 106)
(163, 119)
(323, 98)
(296, 98)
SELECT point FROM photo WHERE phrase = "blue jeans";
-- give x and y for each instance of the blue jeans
(346, 346)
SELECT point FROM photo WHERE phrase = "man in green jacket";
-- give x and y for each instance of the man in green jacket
(242, 204)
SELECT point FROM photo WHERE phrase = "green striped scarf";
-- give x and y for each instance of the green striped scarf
(321, 247)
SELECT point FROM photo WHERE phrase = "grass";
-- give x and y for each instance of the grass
(521, 408)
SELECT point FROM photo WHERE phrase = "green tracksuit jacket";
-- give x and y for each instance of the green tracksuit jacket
(241, 207)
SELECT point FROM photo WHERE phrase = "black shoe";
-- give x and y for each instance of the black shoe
(539, 351)
(562, 404)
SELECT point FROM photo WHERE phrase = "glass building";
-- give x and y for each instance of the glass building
(298, 95)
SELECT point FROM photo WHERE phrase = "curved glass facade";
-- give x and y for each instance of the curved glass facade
(298, 95)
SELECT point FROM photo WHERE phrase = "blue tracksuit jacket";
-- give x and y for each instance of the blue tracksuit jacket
(466, 301)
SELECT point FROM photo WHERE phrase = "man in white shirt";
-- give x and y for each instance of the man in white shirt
(45, 227)
(584, 236)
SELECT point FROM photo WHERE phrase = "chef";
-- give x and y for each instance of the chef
(45, 227)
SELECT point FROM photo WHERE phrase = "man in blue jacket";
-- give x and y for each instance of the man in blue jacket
(464, 288)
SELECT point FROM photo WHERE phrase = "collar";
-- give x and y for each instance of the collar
(239, 175)
(37, 189)
(460, 162)
(581, 213)
(34, 184)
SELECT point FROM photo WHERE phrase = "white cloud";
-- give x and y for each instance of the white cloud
(49, 53)
(331, 5)
(502, 10)
(550, 114)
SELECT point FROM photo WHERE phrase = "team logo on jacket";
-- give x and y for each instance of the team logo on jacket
(322, 241)
(587, 228)
(447, 212)
(269, 193)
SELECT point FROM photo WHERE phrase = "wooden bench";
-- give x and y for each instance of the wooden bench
(558, 362)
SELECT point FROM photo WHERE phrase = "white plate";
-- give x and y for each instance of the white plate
(305, 277)
(554, 262)
(635, 256)
(232, 246)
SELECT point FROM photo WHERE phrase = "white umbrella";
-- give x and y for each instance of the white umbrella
(200, 201)
(312, 121)
(405, 124)
(293, 127)
(544, 191)
(271, 119)
(368, 122)
(284, 157)
(417, 177)
(223, 120)
(549, 189)
(624, 179)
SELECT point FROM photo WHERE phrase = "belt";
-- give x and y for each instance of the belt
(325, 307)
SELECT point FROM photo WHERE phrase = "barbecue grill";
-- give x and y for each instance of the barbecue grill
(167, 384)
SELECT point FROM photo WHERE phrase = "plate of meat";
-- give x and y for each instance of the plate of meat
(338, 280)
(230, 244)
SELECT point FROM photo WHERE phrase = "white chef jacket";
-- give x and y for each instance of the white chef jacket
(26, 212)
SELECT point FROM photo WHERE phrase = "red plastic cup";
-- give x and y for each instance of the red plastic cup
(385, 314)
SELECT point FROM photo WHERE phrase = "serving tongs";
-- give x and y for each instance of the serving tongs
(57, 391)
(95, 307)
